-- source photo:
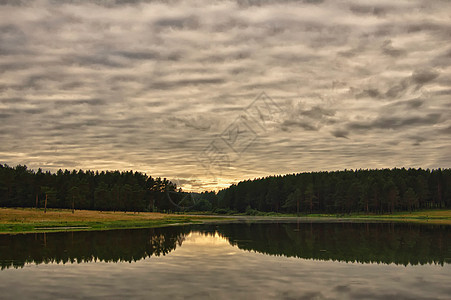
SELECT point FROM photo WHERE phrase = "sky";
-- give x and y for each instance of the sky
(207, 93)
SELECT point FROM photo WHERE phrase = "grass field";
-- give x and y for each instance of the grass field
(21, 220)
(438, 216)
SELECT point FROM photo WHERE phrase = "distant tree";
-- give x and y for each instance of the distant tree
(101, 196)
(294, 201)
(309, 197)
(392, 196)
(74, 195)
(202, 205)
(410, 199)
(272, 197)
(353, 196)
(50, 195)
(422, 190)
(365, 198)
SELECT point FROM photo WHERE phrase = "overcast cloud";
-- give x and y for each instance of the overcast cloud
(149, 85)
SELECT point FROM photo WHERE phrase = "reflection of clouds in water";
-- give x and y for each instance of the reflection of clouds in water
(209, 267)
(199, 239)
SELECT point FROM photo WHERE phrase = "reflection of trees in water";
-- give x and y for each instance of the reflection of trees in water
(107, 246)
(348, 242)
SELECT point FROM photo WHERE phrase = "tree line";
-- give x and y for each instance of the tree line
(369, 191)
(114, 191)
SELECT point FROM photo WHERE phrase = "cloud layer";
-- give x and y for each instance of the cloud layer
(156, 86)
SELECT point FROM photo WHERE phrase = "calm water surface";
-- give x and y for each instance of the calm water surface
(224, 261)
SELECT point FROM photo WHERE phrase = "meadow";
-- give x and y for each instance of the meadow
(22, 220)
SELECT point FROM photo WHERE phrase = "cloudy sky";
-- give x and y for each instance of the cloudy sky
(207, 93)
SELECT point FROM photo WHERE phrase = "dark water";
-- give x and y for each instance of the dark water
(239, 260)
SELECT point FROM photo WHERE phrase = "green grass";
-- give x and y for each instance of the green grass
(436, 216)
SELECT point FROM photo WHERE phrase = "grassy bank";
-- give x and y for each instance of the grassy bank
(438, 216)
(22, 220)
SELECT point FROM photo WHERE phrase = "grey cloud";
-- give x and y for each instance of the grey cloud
(188, 22)
(268, 2)
(148, 55)
(371, 10)
(199, 122)
(186, 82)
(372, 93)
(13, 2)
(149, 84)
(417, 140)
(446, 130)
(105, 3)
(312, 118)
(27, 110)
(303, 124)
(239, 55)
(351, 52)
(388, 49)
(409, 104)
(96, 59)
(340, 133)
(424, 76)
(442, 92)
(397, 89)
(439, 29)
(395, 122)
(72, 85)
(317, 112)
(93, 102)
(342, 288)
(11, 101)
(419, 78)
(12, 40)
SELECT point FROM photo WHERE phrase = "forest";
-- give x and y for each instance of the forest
(369, 191)
(114, 191)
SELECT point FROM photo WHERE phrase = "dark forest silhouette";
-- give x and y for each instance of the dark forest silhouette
(370, 191)
(375, 191)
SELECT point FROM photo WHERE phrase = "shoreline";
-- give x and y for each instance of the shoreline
(29, 220)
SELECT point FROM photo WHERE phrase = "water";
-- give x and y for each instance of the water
(239, 260)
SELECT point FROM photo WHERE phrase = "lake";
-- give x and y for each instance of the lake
(275, 260)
